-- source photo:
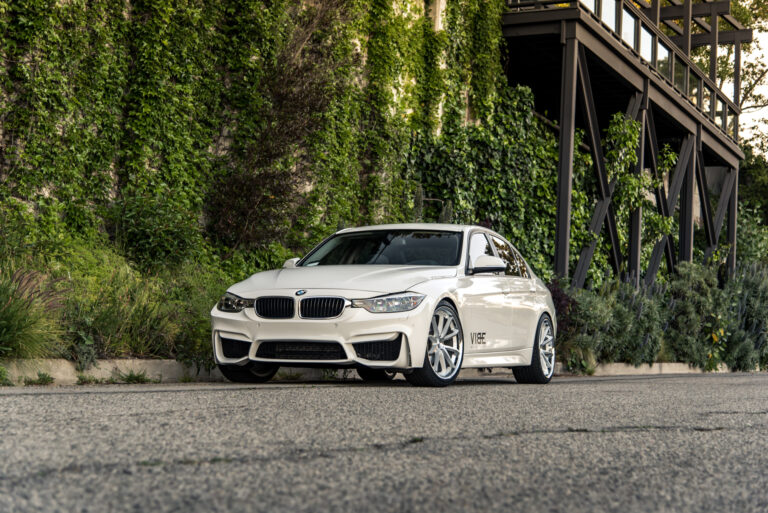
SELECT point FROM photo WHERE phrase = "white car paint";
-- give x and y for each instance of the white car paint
(506, 309)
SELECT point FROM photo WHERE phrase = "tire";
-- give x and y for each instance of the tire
(445, 350)
(542, 362)
(375, 375)
(253, 372)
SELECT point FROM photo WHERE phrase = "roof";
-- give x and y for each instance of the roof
(411, 226)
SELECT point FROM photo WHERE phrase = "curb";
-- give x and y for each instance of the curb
(170, 371)
(63, 371)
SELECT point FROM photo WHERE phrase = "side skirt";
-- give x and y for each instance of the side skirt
(521, 357)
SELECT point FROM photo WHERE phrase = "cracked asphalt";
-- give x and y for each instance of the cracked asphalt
(671, 443)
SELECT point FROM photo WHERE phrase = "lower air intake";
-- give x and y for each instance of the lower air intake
(234, 348)
(289, 350)
(379, 350)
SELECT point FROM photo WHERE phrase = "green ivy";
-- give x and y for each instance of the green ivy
(172, 127)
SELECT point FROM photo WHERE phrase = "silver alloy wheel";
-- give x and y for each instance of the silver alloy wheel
(546, 347)
(446, 343)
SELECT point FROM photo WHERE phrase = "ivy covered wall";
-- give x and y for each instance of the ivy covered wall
(247, 130)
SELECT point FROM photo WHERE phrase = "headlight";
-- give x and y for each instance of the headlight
(389, 304)
(232, 303)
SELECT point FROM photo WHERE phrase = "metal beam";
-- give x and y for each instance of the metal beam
(661, 192)
(732, 214)
(603, 213)
(713, 35)
(674, 26)
(654, 12)
(687, 15)
(664, 245)
(676, 181)
(588, 251)
(686, 207)
(676, 12)
(737, 86)
(725, 37)
(706, 208)
(565, 162)
(636, 215)
(723, 202)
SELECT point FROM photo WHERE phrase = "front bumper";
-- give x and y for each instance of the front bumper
(353, 327)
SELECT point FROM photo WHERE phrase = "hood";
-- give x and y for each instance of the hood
(371, 278)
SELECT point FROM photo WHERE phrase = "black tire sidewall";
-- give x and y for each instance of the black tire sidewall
(533, 373)
(245, 373)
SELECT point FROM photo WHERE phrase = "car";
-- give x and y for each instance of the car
(425, 300)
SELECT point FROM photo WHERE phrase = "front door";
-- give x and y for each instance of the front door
(483, 297)
(519, 298)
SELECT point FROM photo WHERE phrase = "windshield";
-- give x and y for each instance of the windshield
(388, 247)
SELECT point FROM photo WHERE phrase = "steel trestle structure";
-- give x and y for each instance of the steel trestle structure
(586, 60)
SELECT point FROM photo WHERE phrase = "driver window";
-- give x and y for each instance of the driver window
(506, 254)
(478, 246)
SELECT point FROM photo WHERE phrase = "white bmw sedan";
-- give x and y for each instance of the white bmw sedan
(425, 300)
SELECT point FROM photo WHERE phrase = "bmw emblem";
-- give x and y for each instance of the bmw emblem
(301, 292)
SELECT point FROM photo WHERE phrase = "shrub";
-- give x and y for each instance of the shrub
(193, 291)
(42, 379)
(134, 378)
(578, 348)
(28, 309)
(86, 379)
(614, 323)
(5, 381)
(564, 307)
(635, 332)
(112, 310)
(154, 230)
(747, 292)
(129, 317)
(696, 332)
(752, 236)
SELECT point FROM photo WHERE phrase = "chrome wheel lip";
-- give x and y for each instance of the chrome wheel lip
(546, 343)
(445, 343)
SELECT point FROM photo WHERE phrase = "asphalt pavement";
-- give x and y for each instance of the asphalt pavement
(666, 443)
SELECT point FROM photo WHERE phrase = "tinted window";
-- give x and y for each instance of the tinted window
(388, 247)
(507, 254)
(521, 264)
(478, 246)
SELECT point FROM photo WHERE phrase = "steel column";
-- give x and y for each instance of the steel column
(687, 15)
(565, 162)
(686, 207)
(636, 216)
(732, 214)
(713, 45)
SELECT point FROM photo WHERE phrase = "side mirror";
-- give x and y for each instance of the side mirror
(290, 263)
(488, 264)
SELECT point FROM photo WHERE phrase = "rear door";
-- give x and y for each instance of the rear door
(519, 301)
(483, 297)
